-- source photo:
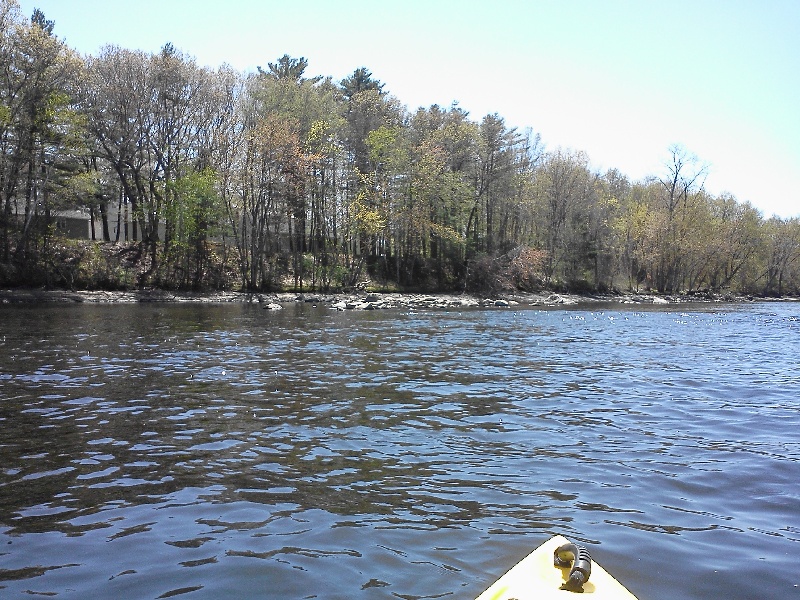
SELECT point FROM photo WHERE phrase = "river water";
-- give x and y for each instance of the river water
(224, 451)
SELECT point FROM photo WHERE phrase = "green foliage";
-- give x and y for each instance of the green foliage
(360, 81)
(196, 214)
(198, 207)
(368, 219)
(275, 179)
(287, 68)
(39, 21)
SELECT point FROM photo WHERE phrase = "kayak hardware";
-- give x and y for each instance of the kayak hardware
(578, 556)
(534, 578)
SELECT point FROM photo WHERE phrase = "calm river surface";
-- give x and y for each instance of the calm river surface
(224, 451)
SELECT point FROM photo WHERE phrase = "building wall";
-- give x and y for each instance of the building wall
(75, 227)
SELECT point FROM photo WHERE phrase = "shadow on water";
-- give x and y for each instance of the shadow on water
(162, 450)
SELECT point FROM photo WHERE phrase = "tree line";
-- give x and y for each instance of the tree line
(272, 179)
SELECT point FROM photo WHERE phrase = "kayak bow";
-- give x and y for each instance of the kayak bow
(554, 570)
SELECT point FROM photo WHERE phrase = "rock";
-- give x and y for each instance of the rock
(355, 301)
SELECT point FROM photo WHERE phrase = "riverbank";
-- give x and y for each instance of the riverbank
(355, 301)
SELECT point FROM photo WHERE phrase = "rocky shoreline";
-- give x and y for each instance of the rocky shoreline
(354, 301)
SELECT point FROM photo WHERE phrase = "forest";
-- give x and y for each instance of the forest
(272, 180)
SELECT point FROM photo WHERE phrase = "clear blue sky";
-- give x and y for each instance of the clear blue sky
(621, 80)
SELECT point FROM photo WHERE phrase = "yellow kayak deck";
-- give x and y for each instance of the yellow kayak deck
(535, 578)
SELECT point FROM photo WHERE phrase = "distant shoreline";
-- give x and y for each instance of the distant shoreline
(359, 301)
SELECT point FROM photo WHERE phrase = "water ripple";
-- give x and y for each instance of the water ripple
(224, 451)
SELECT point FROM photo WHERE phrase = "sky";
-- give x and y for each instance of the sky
(621, 80)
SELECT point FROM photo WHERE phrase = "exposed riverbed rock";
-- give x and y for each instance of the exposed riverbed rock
(343, 302)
